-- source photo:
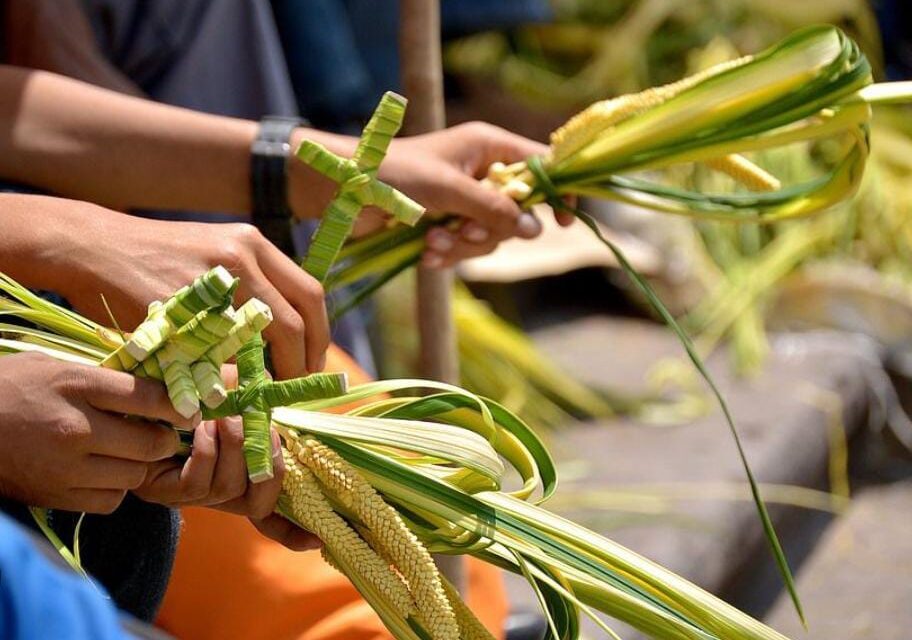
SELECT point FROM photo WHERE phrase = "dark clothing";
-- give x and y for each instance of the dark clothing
(217, 57)
(895, 18)
(39, 599)
(130, 552)
(343, 54)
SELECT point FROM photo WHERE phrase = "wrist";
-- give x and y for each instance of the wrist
(38, 239)
(82, 239)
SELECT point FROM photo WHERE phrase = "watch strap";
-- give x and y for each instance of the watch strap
(269, 154)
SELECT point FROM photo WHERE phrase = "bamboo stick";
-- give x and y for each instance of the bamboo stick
(421, 69)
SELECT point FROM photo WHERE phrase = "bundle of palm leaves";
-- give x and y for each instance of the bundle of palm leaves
(402, 476)
(814, 86)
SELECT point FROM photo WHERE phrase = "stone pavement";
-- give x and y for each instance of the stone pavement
(711, 542)
(857, 584)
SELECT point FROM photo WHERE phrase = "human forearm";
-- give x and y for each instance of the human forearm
(83, 142)
(39, 235)
(89, 143)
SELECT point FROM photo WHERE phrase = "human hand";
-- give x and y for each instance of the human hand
(442, 171)
(65, 442)
(132, 261)
(215, 475)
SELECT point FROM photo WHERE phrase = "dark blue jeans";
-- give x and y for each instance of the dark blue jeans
(895, 18)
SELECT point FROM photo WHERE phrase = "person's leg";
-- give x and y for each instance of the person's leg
(39, 598)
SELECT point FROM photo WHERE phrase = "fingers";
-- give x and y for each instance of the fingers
(215, 474)
(305, 295)
(465, 196)
(500, 145)
(230, 376)
(488, 208)
(131, 439)
(439, 242)
(299, 332)
(491, 215)
(566, 218)
(162, 484)
(260, 499)
(173, 483)
(229, 479)
(473, 232)
(476, 145)
(445, 248)
(101, 501)
(121, 393)
(370, 220)
(103, 472)
(286, 533)
(194, 480)
(285, 334)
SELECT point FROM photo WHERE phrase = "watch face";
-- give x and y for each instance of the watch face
(271, 148)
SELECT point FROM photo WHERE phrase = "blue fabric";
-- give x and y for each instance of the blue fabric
(342, 54)
(331, 82)
(131, 551)
(465, 16)
(40, 600)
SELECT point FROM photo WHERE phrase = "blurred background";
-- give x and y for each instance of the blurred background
(807, 324)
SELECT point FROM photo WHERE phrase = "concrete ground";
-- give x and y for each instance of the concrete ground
(787, 416)
(857, 584)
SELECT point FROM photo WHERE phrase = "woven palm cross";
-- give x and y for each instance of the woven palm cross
(358, 185)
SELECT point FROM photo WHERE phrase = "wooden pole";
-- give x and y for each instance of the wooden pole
(421, 68)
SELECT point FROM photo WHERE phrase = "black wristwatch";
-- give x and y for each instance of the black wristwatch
(269, 153)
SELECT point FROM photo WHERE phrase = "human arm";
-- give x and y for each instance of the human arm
(84, 142)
